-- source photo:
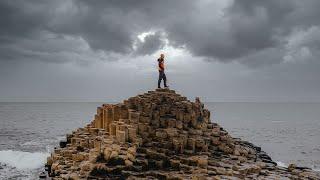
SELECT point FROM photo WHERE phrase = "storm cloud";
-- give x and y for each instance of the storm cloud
(242, 31)
(268, 40)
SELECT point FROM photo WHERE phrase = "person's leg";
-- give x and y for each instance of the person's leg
(165, 80)
(159, 80)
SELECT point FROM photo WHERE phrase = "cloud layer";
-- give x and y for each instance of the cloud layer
(252, 32)
(231, 48)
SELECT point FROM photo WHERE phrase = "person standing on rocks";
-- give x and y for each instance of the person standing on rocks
(162, 75)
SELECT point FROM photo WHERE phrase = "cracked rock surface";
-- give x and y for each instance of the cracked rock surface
(161, 135)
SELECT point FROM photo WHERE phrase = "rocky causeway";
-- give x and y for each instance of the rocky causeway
(161, 135)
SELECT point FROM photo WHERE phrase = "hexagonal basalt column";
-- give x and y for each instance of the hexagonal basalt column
(124, 112)
(112, 129)
(133, 117)
(132, 134)
(116, 112)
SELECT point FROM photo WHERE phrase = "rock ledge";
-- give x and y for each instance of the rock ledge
(161, 135)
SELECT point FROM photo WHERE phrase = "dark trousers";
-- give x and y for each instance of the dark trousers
(162, 75)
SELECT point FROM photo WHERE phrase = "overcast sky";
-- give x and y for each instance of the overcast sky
(220, 50)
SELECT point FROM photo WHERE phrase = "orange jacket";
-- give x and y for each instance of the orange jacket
(161, 64)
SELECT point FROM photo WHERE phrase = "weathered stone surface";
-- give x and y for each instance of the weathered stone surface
(162, 135)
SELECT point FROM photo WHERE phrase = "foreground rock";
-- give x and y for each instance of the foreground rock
(161, 135)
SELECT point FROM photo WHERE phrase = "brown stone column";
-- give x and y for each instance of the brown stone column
(134, 117)
(124, 112)
(108, 118)
(99, 117)
(104, 116)
(132, 134)
(116, 112)
(97, 121)
(112, 129)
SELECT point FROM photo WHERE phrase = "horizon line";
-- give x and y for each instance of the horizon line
(101, 101)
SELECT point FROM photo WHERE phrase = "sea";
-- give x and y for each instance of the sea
(29, 131)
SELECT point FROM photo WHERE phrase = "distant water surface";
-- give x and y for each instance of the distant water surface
(288, 132)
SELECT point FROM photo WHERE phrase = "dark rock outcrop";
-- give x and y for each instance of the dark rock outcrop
(161, 135)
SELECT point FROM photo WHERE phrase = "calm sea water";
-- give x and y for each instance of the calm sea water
(288, 132)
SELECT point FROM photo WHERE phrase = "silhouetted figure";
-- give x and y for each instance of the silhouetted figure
(162, 75)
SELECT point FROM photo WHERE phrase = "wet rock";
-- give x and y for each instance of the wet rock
(291, 167)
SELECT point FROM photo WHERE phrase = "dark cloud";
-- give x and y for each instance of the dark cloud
(279, 40)
(245, 31)
(101, 25)
(21, 18)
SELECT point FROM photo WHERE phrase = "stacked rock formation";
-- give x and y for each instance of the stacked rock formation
(161, 135)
